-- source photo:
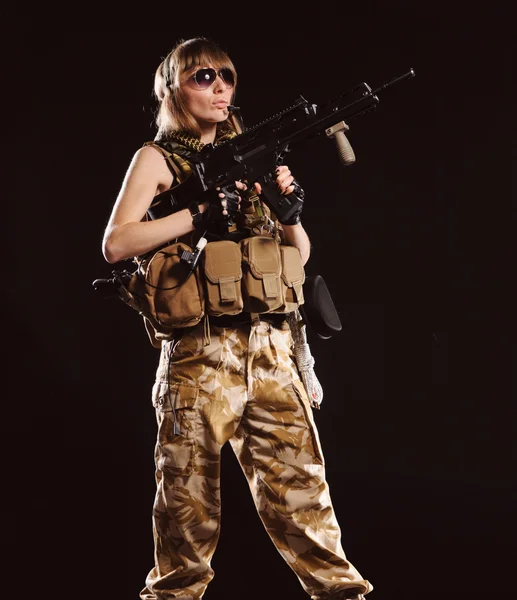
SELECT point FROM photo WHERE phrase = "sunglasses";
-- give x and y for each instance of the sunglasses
(203, 78)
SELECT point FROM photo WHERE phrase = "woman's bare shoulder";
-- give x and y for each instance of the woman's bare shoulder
(150, 155)
(148, 161)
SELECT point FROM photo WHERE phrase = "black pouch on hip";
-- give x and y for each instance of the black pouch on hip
(319, 311)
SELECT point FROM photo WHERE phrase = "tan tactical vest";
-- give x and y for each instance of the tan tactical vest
(258, 274)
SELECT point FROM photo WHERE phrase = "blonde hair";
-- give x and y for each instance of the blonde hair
(172, 113)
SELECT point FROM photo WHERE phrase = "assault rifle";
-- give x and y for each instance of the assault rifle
(254, 154)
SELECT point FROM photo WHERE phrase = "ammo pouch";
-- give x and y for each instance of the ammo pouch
(273, 276)
(223, 275)
(168, 295)
(254, 275)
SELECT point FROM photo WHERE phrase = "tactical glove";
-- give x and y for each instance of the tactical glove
(213, 216)
(296, 196)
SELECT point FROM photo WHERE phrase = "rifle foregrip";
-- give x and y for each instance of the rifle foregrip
(344, 149)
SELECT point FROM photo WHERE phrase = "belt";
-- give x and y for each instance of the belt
(244, 318)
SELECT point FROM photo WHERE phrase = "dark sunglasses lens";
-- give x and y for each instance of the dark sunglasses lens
(227, 77)
(205, 77)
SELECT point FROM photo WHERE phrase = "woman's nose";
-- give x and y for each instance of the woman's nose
(219, 83)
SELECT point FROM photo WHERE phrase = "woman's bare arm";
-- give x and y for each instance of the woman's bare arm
(127, 234)
(295, 235)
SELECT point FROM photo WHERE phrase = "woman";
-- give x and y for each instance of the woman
(230, 377)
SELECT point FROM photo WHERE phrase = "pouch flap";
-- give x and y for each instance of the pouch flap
(155, 262)
(292, 269)
(263, 256)
(223, 261)
(227, 290)
(270, 286)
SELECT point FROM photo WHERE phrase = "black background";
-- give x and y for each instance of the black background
(414, 427)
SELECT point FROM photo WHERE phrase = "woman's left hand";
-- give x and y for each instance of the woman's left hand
(284, 181)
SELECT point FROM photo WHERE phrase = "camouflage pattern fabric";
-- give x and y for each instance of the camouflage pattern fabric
(243, 387)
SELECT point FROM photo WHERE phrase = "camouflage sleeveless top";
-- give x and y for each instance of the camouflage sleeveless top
(177, 148)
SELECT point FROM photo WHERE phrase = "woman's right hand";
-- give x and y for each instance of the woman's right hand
(226, 200)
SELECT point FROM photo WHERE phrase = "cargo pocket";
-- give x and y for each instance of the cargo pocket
(262, 267)
(223, 270)
(299, 388)
(175, 452)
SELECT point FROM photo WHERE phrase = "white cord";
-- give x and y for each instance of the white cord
(304, 359)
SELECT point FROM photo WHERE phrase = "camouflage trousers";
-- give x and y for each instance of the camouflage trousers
(243, 387)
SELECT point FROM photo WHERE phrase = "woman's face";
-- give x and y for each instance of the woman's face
(207, 105)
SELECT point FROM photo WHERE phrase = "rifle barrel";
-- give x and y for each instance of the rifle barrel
(410, 73)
